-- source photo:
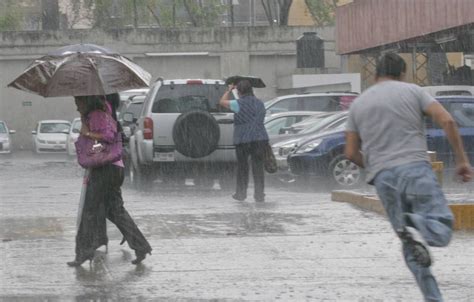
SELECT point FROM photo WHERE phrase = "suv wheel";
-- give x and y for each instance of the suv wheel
(188, 133)
(344, 173)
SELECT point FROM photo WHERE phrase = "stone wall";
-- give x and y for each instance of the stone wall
(267, 52)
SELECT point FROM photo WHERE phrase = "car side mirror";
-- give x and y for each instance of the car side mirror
(75, 130)
(284, 130)
(12, 131)
(128, 117)
(34, 132)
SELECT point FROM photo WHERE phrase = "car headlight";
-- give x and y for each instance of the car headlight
(287, 149)
(309, 146)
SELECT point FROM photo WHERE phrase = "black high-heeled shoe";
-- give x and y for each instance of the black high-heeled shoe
(141, 255)
(80, 260)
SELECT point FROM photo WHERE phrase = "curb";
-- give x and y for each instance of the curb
(463, 213)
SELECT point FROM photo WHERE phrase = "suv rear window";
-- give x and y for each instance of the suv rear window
(179, 98)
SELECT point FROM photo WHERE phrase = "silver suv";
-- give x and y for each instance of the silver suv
(182, 132)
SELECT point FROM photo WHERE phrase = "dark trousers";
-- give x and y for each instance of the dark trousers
(254, 150)
(104, 200)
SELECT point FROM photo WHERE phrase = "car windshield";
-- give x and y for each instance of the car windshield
(461, 111)
(3, 129)
(53, 127)
(324, 123)
(181, 98)
(135, 109)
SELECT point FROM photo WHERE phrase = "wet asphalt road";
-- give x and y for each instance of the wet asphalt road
(297, 246)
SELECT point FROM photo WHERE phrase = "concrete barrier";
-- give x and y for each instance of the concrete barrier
(463, 213)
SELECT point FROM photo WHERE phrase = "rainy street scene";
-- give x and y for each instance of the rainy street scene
(240, 150)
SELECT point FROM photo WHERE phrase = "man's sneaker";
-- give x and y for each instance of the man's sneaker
(418, 246)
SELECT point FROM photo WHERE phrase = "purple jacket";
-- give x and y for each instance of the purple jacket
(102, 122)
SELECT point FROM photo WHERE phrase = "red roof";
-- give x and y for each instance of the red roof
(365, 24)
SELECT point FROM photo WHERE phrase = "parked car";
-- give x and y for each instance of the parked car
(449, 90)
(327, 101)
(5, 139)
(127, 95)
(183, 132)
(50, 136)
(320, 123)
(73, 134)
(276, 123)
(128, 118)
(323, 155)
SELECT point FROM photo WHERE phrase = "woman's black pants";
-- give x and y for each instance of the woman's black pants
(254, 150)
(104, 200)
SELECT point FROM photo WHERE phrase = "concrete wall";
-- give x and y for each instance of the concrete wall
(267, 52)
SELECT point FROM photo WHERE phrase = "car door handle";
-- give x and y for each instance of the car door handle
(225, 121)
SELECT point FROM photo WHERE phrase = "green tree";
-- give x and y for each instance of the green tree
(10, 17)
(323, 11)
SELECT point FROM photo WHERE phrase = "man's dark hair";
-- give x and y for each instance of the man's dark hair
(244, 88)
(390, 65)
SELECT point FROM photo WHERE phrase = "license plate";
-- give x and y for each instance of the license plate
(58, 147)
(164, 156)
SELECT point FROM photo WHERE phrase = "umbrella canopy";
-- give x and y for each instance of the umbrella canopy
(81, 69)
(254, 81)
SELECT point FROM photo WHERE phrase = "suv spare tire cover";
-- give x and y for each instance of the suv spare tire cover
(196, 133)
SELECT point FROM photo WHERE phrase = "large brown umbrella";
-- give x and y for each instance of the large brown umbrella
(81, 69)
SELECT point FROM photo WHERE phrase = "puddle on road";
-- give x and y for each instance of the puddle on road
(225, 224)
(28, 228)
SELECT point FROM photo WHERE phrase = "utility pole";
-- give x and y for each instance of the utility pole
(135, 14)
(50, 14)
(231, 12)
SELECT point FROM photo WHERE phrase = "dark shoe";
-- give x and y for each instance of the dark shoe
(140, 257)
(80, 260)
(238, 197)
(259, 198)
(418, 247)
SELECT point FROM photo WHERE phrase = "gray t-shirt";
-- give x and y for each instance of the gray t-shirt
(388, 118)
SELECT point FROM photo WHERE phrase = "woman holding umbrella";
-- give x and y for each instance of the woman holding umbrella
(250, 138)
(103, 197)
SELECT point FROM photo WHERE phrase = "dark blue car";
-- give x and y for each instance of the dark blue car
(323, 155)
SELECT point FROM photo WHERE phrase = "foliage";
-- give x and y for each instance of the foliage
(323, 11)
(10, 18)
(164, 13)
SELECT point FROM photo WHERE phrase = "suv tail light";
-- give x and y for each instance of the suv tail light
(148, 128)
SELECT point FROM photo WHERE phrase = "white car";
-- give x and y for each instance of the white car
(50, 136)
(73, 135)
(5, 140)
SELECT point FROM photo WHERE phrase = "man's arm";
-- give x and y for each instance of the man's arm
(352, 148)
(225, 100)
(442, 117)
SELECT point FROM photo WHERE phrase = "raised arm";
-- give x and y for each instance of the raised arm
(225, 99)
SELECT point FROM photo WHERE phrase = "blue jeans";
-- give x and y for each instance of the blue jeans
(412, 196)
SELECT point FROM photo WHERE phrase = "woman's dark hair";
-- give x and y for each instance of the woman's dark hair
(93, 102)
(244, 88)
(390, 65)
(114, 101)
